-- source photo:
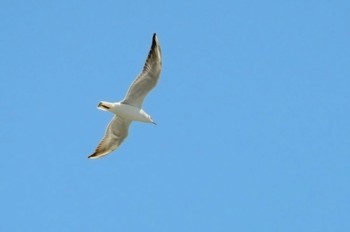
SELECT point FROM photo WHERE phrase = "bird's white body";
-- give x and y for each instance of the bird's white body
(129, 112)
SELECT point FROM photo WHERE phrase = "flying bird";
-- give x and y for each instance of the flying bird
(130, 108)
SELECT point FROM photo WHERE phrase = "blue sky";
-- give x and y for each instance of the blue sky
(252, 110)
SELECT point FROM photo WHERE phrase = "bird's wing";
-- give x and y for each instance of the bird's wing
(148, 78)
(116, 132)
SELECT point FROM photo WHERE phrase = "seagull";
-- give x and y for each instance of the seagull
(130, 108)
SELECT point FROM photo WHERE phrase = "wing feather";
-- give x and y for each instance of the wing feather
(116, 132)
(148, 78)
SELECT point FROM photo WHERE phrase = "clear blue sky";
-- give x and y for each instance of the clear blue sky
(252, 110)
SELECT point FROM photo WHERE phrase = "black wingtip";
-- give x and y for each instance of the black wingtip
(154, 38)
(154, 41)
(93, 156)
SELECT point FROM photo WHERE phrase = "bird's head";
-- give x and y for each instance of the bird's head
(151, 120)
